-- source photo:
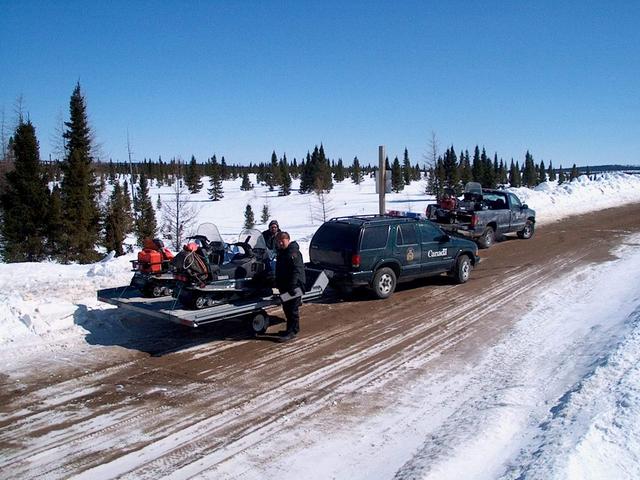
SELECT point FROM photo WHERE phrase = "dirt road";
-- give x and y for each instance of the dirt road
(143, 399)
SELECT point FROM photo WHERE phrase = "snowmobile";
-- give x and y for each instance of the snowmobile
(153, 275)
(210, 272)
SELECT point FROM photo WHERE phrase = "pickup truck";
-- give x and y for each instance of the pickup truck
(484, 214)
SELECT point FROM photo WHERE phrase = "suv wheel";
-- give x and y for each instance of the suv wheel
(462, 269)
(487, 238)
(384, 282)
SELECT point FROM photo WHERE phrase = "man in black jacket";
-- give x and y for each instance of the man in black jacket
(271, 234)
(289, 277)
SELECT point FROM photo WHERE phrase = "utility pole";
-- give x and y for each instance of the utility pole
(381, 180)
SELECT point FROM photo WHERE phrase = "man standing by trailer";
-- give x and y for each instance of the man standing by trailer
(271, 234)
(289, 278)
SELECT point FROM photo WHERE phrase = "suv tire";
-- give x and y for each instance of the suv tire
(384, 282)
(462, 269)
(487, 238)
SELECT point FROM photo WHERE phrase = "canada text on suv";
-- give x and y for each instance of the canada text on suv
(377, 251)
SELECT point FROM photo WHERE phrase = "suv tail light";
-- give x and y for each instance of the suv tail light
(474, 220)
(355, 260)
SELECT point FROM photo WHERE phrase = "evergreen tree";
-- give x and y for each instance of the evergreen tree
(246, 184)
(116, 222)
(285, 177)
(529, 177)
(145, 225)
(488, 178)
(397, 177)
(356, 172)
(574, 172)
(542, 172)
(192, 178)
(249, 219)
(551, 172)
(339, 173)
(561, 177)
(450, 166)
(264, 216)
(406, 168)
(465, 169)
(513, 175)
(24, 201)
(273, 175)
(216, 191)
(78, 189)
(477, 167)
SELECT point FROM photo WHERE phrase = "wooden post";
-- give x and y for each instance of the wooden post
(381, 180)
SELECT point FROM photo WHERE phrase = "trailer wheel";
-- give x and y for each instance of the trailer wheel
(527, 232)
(462, 270)
(200, 302)
(259, 323)
(384, 282)
(487, 238)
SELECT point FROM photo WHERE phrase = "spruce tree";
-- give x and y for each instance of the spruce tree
(397, 179)
(215, 181)
(249, 219)
(264, 216)
(465, 169)
(273, 174)
(339, 173)
(561, 177)
(477, 167)
(192, 178)
(406, 168)
(574, 172)
(551, 172)
(116, 221)
(246, 184)
(24, 201)
(356, 172)
(145, 225)
(285, 177)
(542, 172)
(78, 189)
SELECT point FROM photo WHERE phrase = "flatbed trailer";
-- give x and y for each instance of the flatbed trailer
(252, 309)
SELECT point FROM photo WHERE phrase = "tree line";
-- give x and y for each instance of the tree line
(453, 171)
(60, 209)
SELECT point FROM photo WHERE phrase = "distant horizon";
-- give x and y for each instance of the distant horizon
(241, 79)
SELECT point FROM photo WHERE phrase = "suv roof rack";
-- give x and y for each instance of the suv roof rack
(369, 218)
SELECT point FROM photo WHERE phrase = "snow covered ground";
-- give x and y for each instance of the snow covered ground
(517, 412)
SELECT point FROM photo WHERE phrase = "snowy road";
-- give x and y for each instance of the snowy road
(530, 370)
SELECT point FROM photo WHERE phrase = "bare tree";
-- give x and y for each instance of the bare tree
(431, 157)
(179, 216)
(323, 209)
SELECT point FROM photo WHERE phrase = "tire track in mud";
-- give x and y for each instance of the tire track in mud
(231, 395)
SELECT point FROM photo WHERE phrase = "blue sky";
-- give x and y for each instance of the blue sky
(241, 79)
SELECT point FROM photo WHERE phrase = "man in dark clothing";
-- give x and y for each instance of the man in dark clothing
(270, 234)
(289, 277)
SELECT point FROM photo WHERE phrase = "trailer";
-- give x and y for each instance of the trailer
(251, 309)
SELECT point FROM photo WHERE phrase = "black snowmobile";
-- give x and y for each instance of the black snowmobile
(210, 272)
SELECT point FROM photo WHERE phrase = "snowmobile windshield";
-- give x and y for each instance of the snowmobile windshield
(210, 231)
(473, 187)
(253, 237)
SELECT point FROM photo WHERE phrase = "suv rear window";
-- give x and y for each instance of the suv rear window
(374, 237)
(336, 236)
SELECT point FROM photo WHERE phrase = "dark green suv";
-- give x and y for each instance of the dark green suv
(379, 250)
